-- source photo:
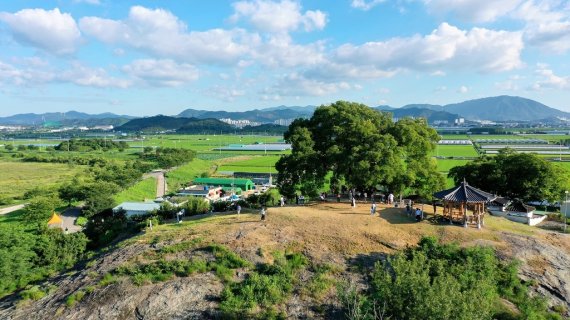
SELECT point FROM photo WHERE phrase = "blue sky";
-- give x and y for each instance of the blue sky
(161, 57)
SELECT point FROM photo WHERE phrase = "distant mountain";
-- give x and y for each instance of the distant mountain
(504, 108)
(256, 115)
(430, 115)
(434, 107)
(156, 123)
(63, 118)
(384, 108)
(191, 126)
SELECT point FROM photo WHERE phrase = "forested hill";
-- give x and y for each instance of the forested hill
(192, 126)
(264, 115)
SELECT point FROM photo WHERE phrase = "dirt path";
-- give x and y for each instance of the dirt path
(160, 182)
(11, 209)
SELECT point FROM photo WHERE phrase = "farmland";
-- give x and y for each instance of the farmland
(19, 177)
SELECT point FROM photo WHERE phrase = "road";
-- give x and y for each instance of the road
(160, 182)
(11, 209)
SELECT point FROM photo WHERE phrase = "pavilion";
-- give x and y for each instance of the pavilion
(55, 221)
(457, 200)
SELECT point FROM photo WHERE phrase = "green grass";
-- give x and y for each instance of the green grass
(144, 189)
(186, 173)
(18, 177)
(454, 137)
(455, 151)
(261, 164)
(203, 142)
(444, 165)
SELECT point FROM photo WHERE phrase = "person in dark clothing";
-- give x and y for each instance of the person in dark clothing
(338, 198)
(434, 207)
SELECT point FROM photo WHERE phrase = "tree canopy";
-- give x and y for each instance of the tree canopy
(516, 175)
(362, 148)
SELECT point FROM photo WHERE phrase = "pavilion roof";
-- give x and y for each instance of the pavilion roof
(465, 193)
(55, 219)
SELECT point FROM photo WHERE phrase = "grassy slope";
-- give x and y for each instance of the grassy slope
(145, 189)
(18, 177)
(187, 173)
(257, 164)
(455, 151)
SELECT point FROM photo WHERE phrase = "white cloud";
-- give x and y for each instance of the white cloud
(438, 73)
(447, 47)
(10, 74)
(547, 24)
(161, 72)
(160, 33)
(295, 84)
(93, 2)
(91, 77)
(474, 10)
(549, 80)
(278, 17)
(224, 93)
(50, 30)
(440, 89)
(280, 51)
(365, 5)
(463, 90)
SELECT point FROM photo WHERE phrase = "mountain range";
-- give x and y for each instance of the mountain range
(501, 108)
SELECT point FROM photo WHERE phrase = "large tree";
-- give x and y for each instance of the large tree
(361, 148)
(516, 175)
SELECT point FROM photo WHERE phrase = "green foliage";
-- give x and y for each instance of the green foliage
(81, 221)
(516, 175)
(144, 189)
(270, 198)
(196, 206)
(322, 281)
(181, 246)
(266, 287)
(5, 200)
(107, 280)
(86, 145)
(26, 257)
(74, 298)
(361, 147)
(32, 293)
(38, 211)
(441, 281)
(169, 157)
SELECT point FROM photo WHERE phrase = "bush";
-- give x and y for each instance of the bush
(33, 293)
(6, 201)
(222, 206)
(196, 206)
(410, 284)
(81, 221)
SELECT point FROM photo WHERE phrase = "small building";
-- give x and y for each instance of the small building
(200, 191)
(136, 208)
(499, 204)
(244, 184)
(518, 211)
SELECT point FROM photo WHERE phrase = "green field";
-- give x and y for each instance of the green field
(202, 142)
(454, 151)
(19, 177)
(143, 190)
(260, 164)
(454, 137)
(188, 172)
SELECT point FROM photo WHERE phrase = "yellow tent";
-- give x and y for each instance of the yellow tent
(55, 220)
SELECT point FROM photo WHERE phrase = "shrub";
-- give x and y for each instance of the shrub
(6, 201)
(32, 293)
(81, 221)
(222, 206)
(196, 206)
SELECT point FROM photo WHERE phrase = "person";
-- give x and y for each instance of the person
(353, 202)
(282, 201)
(373, 209)
(408, 208)
(365, 196)
(434, 207)
(238, 209)
(296, 199)
(322, 197)
(338, 197)
(418, 214)
(302, 199)
(263, 213)
(390, 198)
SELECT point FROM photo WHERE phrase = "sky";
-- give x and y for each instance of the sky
(160, 57)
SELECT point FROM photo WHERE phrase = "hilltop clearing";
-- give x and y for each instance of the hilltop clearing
(199, 256)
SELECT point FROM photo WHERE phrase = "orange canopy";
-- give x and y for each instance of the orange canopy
(55, 219)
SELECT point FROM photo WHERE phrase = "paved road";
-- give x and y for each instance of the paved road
(11, 209)
(160, 182)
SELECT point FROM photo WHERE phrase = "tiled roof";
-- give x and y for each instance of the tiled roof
(464, 193)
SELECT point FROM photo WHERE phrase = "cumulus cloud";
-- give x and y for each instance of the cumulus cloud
(161, 72)
(365, 5)
(281, 51)
(547, 24)
(296, 84)
(91, 77)
(463, 90)
(162, 34)
(549, 80)
(93, 2)
(278, 17)
(474, 10)
(224, 93)
(10, 74)
(50, 30)
(446, 47)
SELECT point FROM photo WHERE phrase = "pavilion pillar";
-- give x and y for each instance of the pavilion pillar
(464, 209)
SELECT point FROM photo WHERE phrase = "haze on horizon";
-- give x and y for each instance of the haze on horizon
(145, 58)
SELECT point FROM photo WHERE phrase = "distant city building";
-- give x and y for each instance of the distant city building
(459, 121)
(239, 123)
(283, 122)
